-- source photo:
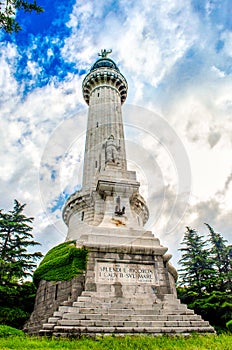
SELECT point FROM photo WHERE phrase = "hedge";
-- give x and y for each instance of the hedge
(62, 263)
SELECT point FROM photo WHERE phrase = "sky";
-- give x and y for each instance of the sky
(177, 58)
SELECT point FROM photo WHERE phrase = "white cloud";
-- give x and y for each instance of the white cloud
(147, 38)
(27, 124)
(8, 85)
(227, 38)
(33, 68)
(219, 72)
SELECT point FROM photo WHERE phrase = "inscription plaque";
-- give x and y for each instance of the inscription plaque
(107, 272)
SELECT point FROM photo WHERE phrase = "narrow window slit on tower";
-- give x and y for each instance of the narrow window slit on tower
(82, 215)
(98, 94)
(97, 125)
(96, 164)
(56, 291)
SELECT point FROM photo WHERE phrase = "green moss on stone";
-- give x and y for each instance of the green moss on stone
(62, 263)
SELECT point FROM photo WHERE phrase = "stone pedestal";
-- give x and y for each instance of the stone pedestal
(127, 290)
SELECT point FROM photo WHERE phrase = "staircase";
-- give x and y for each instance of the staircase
(93, 315)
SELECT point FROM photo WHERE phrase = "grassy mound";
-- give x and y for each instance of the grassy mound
(62, 263)
(7, 331)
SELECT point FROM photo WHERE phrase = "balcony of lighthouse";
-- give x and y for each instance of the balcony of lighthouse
(106, 77)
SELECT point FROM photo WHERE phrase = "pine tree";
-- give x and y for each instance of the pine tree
(16, 262)
(204, 272)
(221, 255)
(197, 267)
(8, 9)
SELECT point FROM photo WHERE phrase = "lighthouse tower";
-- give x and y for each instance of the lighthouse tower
(109, 208)
(129, 284)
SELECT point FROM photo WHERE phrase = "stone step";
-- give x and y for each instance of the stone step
(86, 293)
(130, 314)
(61, 311)
(71, 330)
(105, 317)
(177, 312)
(53, 319)
(116, 323)
(191, 317)
(180, 308)
(57, 314)
(67, 303)
(171, 301)
(46, 332)
(49, 326)
(91, 305)
(143, 300)
(135, 295)
(116, 311)
(83, 304)
(75, 316)
(127, 311)
(84, 298)
(88, 301)
(113, 311)
(63, 308)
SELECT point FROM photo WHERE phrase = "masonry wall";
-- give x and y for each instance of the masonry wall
(49, 296)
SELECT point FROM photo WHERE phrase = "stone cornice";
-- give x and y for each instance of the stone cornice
(75, 202)
(138, 204)
(104, 77)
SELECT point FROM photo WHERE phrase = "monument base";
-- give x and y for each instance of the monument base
(127, 290)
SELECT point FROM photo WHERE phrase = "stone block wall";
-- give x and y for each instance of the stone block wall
(49, 296)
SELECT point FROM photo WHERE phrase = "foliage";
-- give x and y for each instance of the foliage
(197, 267)
(221, 255)
(13, 316)
(8, 9)
(208, 293)
(7, 331)
(215, 307)
(18, 294)
(16, 304)
(62, 263)
(16, 264)
(199, 342)
(229, 325)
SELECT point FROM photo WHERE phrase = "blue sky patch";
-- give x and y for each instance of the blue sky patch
(40, 42)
